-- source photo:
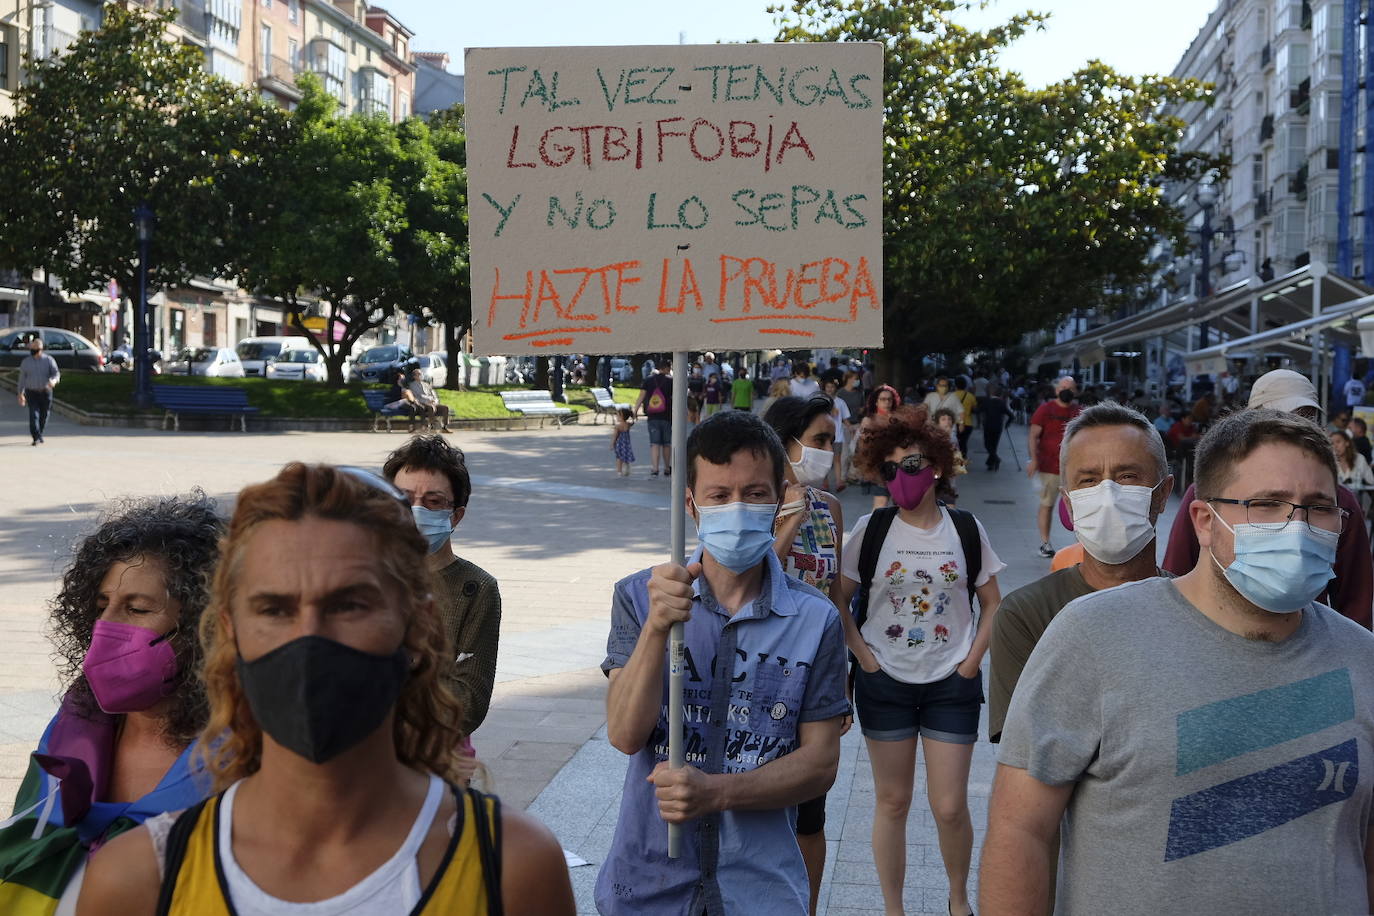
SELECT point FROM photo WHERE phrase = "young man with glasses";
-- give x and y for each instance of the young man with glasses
(432, 476)
(1201, 738)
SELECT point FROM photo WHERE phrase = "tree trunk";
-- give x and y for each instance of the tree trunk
(541, 373)
(453, 337)
(589, 377)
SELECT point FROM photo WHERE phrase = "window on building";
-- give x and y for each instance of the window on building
(266, 50)
(293, 53)
(4, 57)
(211, 330)
(293, 10)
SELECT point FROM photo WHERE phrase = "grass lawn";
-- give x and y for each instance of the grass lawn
(112, 393)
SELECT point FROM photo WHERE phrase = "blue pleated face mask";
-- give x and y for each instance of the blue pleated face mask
(1280, 569)
(435, 525)
(738, 535)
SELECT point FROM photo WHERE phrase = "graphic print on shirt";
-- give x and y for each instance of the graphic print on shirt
(926, 601)
(1241, 808)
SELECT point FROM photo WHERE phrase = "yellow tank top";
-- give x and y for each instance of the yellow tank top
(467, 883)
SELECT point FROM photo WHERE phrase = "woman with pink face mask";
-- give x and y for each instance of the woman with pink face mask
(916, 568)
(119, 749)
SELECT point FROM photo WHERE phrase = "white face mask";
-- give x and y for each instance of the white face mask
(1112, 521)
(814, 465)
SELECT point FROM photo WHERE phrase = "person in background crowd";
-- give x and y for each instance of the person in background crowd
(119, 749)
(1224, 715)
(980, 386)
(869, 379)
(918, 644)
(656, 400)
(881, 402)
(781, 388)
(1184, 433)
(1116, 480)
(646, 369)
(1359, 435)
(1351, 591)
(1042, 466)
(1340, 421)
(803, 385)
(834, 373)
(1164, 421)
(696, 387)
(968, 403)
(1204, 409)
(428, 400)
(621, 445)
(401, 398)
(782, 370)
(331, 734)
(1354, 393)
(712, 396)
(943, 398)
(1352, 471)
(754, 637)
(433, 477)
(839, 412)
(808, 541)
(853, 399)
(709, 366)
(741, 390)
(1229, 386)
(38, 376)
(996, 414)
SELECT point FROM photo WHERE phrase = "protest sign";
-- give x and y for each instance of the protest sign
(633, 199)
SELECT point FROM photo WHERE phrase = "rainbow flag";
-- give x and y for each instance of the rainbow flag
(57, 820)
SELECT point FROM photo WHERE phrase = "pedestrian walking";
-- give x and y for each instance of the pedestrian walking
(621, 446)
(741, 390)
(433, 476)
(1046, 434)
(763, 657)
(996, 414)
(839, 412)
(968, 404)
(1359, 434)
(120, 748)
(38, 376)
(809, 542)
(1354, 393)
(853, 398)
(803, 385)
(917, 568)
(712, 396)
(1351, 590)
(882, 401)
(331, 735)
(1191, 734)
(943, 398)
(656, 400)
(781, 388)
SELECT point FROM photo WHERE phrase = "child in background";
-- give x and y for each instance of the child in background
(945, 489)
(621, 445)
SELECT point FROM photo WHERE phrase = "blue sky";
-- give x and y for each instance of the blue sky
(1132, 37)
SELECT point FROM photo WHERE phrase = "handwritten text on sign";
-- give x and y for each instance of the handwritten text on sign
(661, 198)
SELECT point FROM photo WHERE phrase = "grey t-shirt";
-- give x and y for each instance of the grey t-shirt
(1215, 774)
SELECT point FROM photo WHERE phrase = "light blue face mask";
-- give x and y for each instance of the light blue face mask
(435, 525)
(1280, 569)
(738, 535)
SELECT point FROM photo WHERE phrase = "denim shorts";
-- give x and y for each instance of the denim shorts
(891, 710)
(660, 431)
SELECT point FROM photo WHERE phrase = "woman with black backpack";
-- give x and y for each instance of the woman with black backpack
(916, 568)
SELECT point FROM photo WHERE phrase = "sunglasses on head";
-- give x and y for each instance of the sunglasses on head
(911, 464)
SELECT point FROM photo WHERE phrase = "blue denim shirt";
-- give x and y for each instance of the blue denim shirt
(785, 665)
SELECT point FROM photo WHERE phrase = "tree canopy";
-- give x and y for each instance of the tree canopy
(1006, 207)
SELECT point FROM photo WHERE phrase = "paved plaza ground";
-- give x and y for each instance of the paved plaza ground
(550, 519)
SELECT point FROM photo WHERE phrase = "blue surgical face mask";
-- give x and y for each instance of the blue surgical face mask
(435, 525)
(738, 535)
(1280, 569)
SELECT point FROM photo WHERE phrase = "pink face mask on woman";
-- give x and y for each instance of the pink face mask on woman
(907, 490)
(129, 668)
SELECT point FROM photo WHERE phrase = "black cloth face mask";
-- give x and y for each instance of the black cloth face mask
(318, 697)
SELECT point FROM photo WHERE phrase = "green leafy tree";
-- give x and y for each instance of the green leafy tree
(1006, 207)
(128, 116)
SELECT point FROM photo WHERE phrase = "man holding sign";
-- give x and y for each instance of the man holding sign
(764, 699)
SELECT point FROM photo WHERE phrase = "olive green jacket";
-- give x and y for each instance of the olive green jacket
(470, 604)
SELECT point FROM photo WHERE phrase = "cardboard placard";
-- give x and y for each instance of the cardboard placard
(633, 199)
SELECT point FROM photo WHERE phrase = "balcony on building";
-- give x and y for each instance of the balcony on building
(1267, 128)
(277, 75)
(1266, 55)
(1301, 97)
(1297, 184)
(1307, 15)
(1262, 206)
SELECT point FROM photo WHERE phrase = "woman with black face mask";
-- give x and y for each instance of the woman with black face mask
(332, 735)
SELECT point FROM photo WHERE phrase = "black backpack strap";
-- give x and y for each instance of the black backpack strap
(967, 527)
(874, 535)
(178, 838)
(488, 829)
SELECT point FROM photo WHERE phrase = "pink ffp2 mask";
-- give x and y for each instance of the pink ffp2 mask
(907, 490)
(128, 667)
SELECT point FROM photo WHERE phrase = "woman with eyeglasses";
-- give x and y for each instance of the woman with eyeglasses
(331, 737)
(120, 749)
(881, 402)
(916, 568)
(807, 539)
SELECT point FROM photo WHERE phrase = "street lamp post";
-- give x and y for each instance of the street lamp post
(1206, 197)
(144, 218)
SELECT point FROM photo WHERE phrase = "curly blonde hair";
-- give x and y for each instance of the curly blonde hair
(428, 716)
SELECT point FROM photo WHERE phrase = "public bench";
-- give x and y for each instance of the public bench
(377, 399)
(606, 404)
(536, 404)
(202, 400)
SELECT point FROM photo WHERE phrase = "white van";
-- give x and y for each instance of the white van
(256, 352)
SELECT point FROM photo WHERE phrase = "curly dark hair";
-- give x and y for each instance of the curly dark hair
(903, 427)
(433, 453)
(184, 533)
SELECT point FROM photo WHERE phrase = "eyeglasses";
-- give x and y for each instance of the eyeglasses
(1275, 513)
(435, 502)
(911, 464)
(376, 482)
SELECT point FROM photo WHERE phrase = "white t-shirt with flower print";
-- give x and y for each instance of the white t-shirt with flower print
(920, 623)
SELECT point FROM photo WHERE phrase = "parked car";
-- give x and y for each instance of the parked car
(257, 353)
(211, 362)
(434, 367)
(379, 364)
(68, 348)
(299, 365)
(621, 370)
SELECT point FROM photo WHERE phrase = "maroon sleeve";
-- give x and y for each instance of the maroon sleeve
(1038, 418)
(1180, 556)
(1352, 590)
